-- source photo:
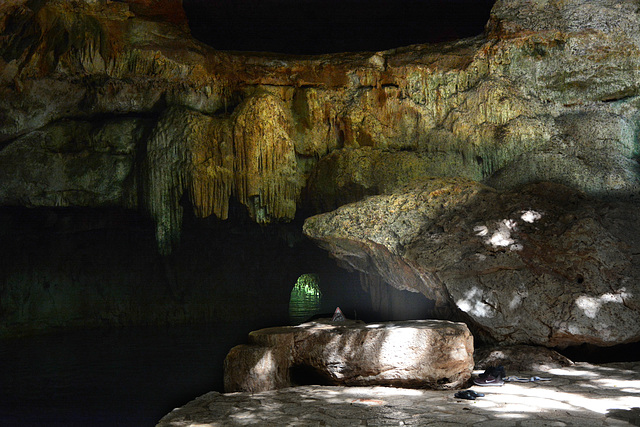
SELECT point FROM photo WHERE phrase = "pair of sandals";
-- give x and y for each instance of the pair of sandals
(468, 395)
(497, 376)
(494, 375)
(525, 380)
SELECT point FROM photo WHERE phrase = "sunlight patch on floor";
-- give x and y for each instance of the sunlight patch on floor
(573, 373)
(626, 386)
(583, 394)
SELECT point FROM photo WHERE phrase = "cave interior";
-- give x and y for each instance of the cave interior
(106, 260)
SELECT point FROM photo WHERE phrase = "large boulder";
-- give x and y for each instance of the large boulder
(544, 265)
(421, 353)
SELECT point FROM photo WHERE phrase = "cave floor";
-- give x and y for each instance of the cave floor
(580, 395)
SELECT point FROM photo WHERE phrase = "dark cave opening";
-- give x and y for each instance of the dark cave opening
(594, 354)
(310, 27)
(307, 375)
(66, 267)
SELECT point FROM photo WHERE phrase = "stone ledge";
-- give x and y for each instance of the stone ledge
(434, 354)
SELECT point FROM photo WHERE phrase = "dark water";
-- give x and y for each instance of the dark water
(303, 306)
(115, 377)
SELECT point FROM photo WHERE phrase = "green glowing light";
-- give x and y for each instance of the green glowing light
(309, 284)
(305, 298)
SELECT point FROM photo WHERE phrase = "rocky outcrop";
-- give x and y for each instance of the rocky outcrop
(544, 265)
(422, 353)
(520, 358)
(548, 93)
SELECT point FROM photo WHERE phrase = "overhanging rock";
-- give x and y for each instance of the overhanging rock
(543, 265)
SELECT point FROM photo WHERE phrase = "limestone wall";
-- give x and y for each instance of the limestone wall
(107, 104)
(278, 133)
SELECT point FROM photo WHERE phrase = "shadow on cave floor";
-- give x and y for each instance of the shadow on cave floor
(593, 354)
(581, 395)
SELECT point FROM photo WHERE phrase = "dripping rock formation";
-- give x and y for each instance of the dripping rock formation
(112, 104)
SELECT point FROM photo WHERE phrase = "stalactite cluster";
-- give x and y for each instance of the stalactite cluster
(265, 160)
(165, 164)
(211, 168)
(249, 154)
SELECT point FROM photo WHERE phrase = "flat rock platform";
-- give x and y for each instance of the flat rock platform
(580, 395)
(435, 354)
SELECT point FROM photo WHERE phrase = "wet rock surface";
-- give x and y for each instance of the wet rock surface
(421, 353)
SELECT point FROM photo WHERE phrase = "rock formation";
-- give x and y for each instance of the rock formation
(106, 103)
(422, 353)
(520, 358)
(511, 107)
(542, 265)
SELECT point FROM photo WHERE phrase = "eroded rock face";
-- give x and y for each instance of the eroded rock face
(421, 353)
(513, 106)
(72, 163)
(544, 265)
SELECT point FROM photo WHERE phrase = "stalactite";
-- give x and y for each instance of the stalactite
(250, 154)
(210, 169)
(266, 175)
(378, 291)
(164, 172)
(187, 152)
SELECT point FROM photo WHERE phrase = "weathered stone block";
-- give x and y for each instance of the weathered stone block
(420, 353)
(254, 368)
